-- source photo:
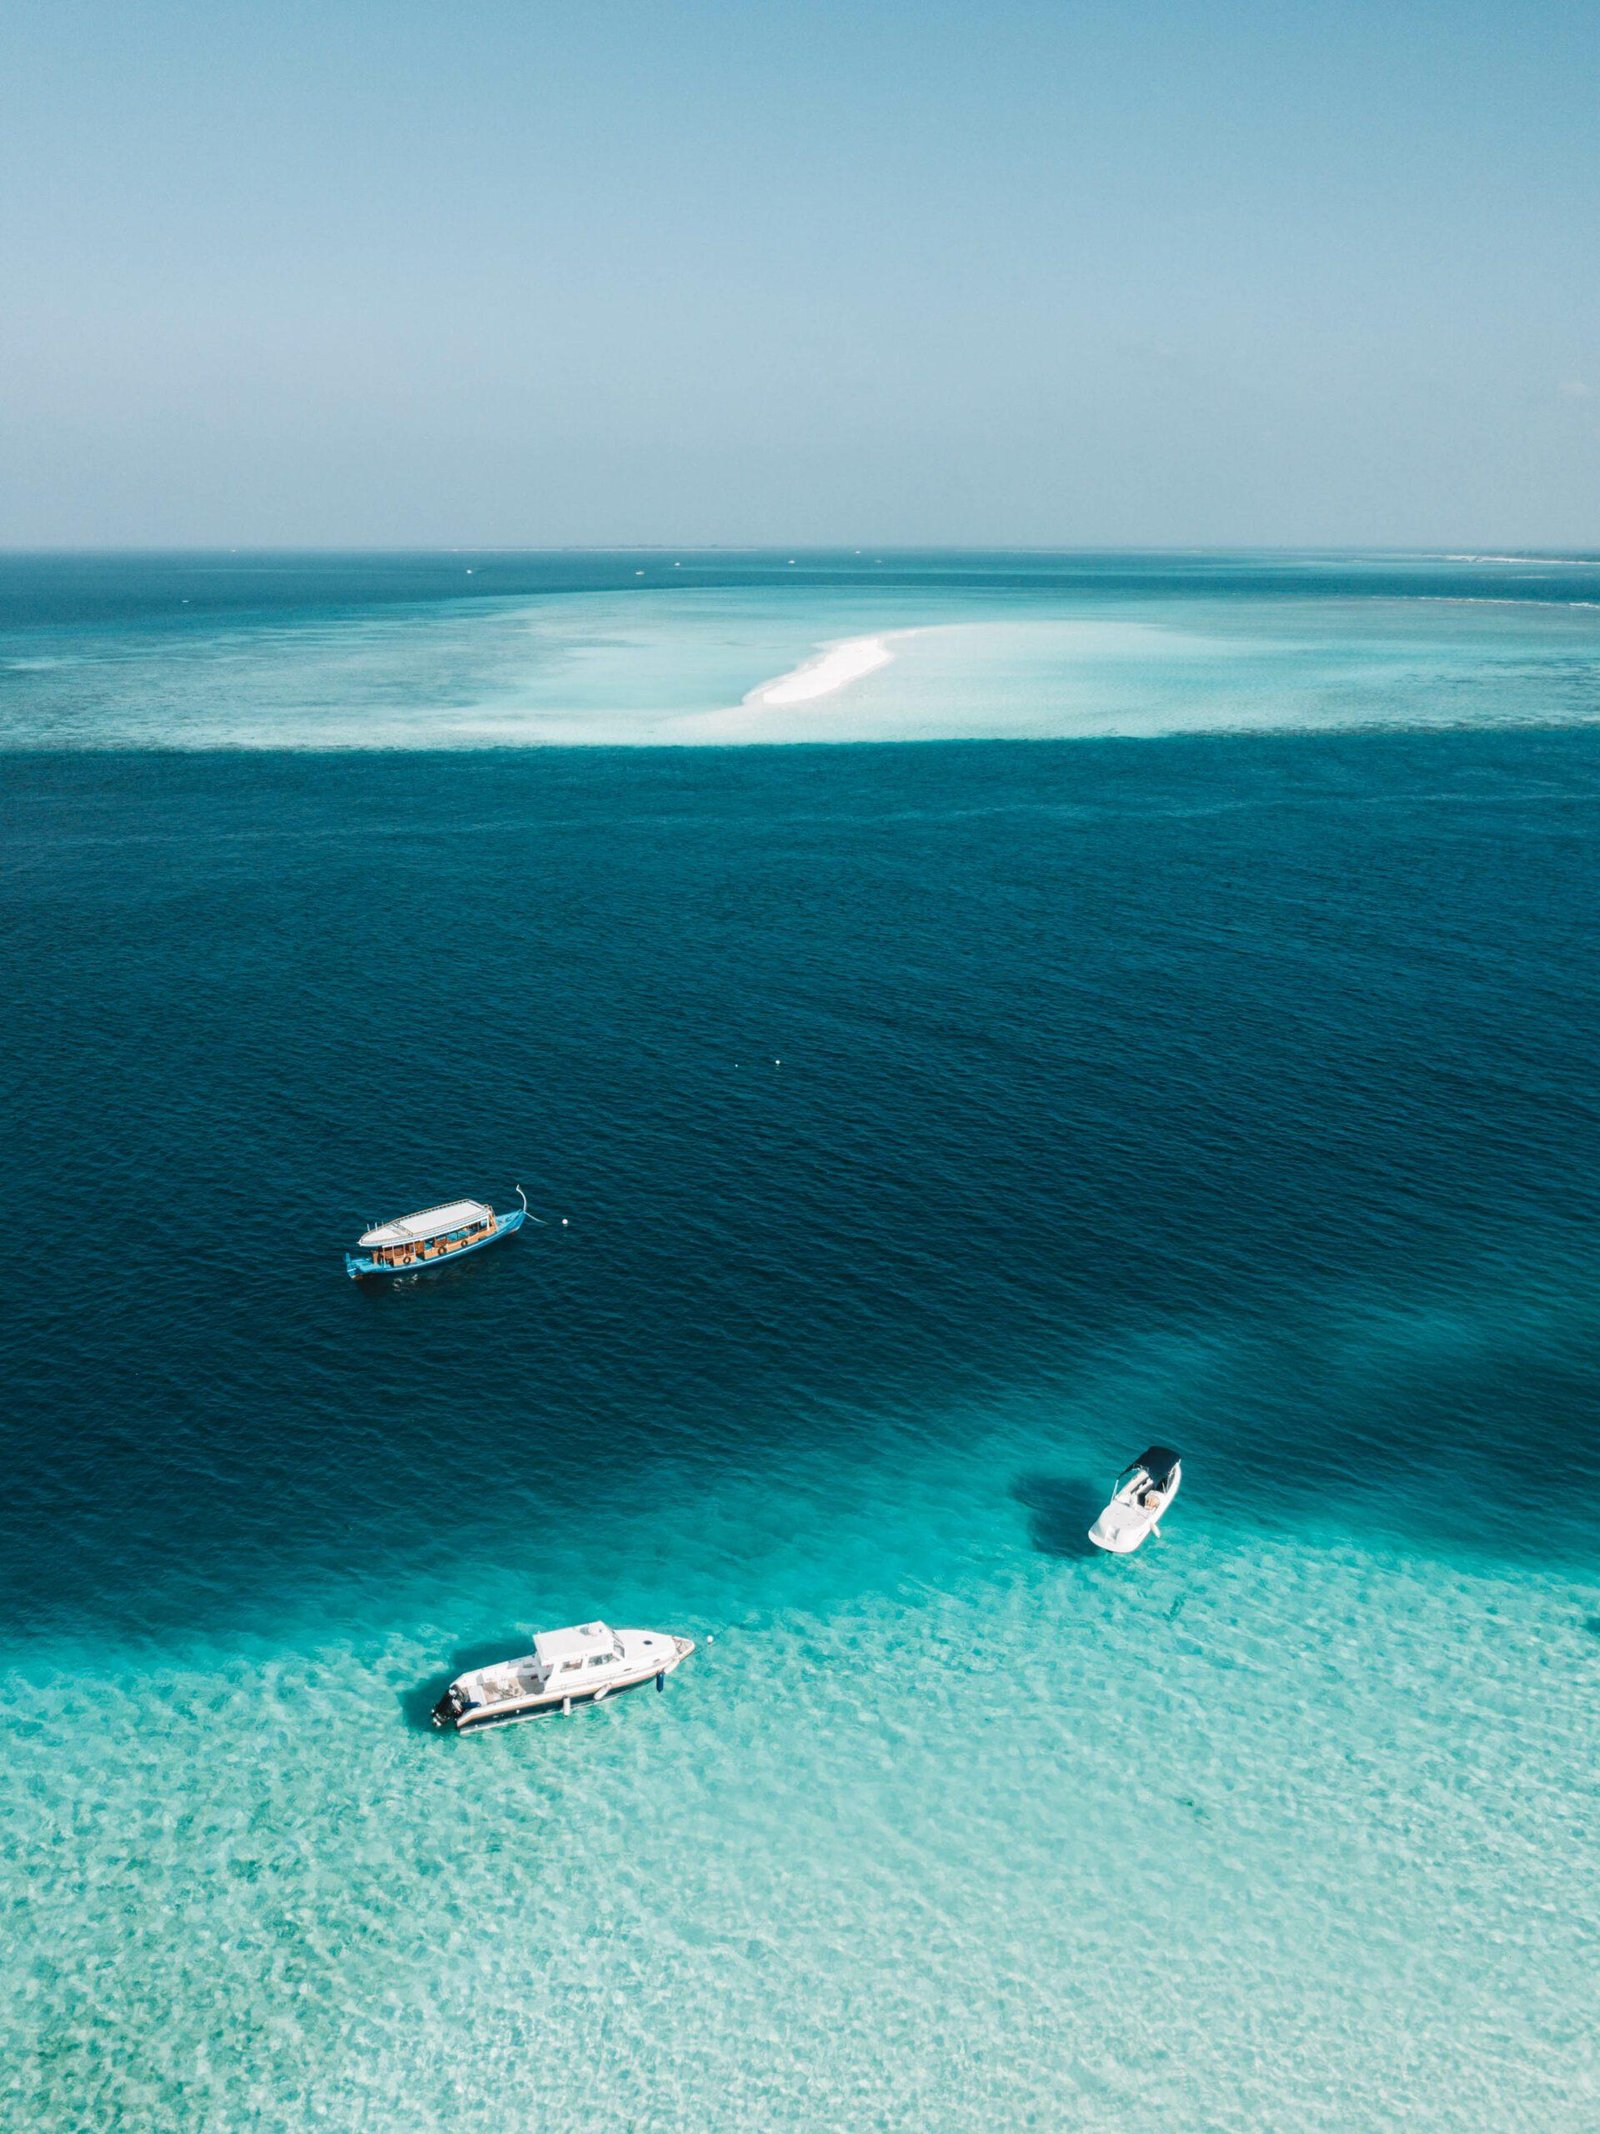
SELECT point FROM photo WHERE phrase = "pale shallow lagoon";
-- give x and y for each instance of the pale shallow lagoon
(729, 656)
(944, 1828)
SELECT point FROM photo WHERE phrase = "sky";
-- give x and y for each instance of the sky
(592, 272)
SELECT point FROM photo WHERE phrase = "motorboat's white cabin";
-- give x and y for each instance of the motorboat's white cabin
(575, 1658)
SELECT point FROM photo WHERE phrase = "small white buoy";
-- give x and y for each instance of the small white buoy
(563, 1222)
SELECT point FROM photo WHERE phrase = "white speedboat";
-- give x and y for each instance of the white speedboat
(1143, 1490)
(565, 1667)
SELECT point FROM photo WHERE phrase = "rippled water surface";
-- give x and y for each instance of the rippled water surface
(919, 1132)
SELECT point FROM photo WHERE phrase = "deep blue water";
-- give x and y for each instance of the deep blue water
(918, 1129)
(1075, 1039)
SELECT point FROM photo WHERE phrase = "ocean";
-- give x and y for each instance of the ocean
(1147, 999)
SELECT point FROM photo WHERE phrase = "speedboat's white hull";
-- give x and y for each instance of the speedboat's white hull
(1135, 1513)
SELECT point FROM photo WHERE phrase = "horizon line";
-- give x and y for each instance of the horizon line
(1464, 553)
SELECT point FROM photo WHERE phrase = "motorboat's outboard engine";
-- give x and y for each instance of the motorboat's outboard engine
(450, 1706)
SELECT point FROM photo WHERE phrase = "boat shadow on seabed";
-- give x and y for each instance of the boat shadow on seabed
(1061, 1509)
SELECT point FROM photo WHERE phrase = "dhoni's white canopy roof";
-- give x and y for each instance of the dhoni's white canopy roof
(551, 1646)
(429, 1222)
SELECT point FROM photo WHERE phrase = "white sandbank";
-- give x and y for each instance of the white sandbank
(832, 668)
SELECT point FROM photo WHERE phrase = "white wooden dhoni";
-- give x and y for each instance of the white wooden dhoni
(429, 1223)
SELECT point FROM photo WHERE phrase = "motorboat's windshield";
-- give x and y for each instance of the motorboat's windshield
(1153, 1469)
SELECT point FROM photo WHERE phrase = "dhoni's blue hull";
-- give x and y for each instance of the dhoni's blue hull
(357, 1264)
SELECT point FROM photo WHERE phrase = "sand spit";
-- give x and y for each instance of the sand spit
(833, 668)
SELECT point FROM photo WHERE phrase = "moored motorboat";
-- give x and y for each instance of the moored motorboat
(580, 1665)
(1142, 1492)
(431, 1235)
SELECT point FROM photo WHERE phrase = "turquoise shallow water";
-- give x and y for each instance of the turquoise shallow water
(1229, 1088)
(942, 1829)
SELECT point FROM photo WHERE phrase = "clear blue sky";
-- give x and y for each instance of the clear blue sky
(370, 271)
